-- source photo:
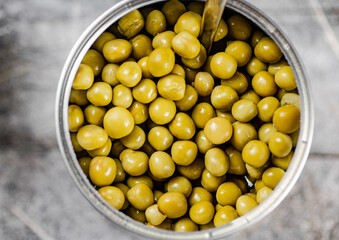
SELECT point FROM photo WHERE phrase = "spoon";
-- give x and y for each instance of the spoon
(210, 21)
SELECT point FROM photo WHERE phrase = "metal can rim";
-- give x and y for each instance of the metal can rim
(120, 219)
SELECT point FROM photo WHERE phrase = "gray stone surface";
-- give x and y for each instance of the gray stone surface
(38, 199)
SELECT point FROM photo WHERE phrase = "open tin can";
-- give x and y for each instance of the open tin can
(294, 170)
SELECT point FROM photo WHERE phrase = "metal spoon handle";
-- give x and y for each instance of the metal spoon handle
(210, 21)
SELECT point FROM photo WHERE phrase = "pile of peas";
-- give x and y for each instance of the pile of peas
(176, 138)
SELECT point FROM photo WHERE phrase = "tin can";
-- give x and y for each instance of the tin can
(120, 219)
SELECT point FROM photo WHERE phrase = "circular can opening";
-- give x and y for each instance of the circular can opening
(120, 219)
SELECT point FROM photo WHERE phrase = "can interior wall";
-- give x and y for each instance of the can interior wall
(120, 219)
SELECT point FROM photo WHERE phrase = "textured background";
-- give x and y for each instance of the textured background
(38, 199)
